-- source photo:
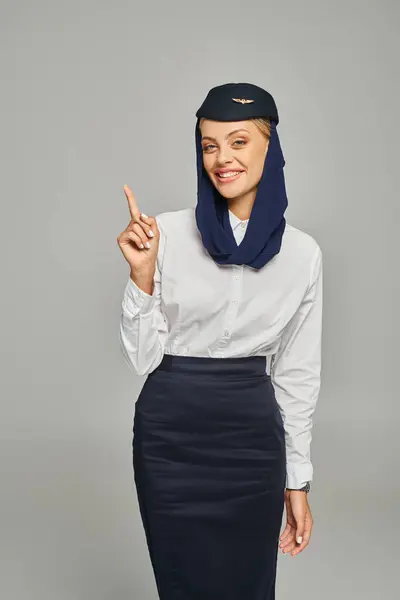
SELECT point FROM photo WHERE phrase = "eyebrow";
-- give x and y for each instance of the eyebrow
(207, 137)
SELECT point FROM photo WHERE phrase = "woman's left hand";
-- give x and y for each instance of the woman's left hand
(299, 523)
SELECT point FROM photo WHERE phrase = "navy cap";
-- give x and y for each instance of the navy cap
(237, 102)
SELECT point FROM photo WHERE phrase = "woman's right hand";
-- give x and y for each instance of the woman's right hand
(132, 241)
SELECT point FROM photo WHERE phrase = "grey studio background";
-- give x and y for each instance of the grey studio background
(98, 94)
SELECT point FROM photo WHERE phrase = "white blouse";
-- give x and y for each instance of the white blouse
(201, 308)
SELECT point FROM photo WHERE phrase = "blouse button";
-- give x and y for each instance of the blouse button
(226, 333)
(237, 277)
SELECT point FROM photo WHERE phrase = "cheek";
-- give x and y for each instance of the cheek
(257, 167)
(208, 163)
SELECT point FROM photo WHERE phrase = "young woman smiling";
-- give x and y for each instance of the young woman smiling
(223, 313)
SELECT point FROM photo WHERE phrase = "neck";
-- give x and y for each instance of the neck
(242, 205)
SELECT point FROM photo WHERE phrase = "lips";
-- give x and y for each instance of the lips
(227, 170)
(226, 178)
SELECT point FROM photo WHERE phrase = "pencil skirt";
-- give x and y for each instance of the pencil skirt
(209, 465)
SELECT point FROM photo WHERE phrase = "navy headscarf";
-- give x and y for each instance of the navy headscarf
(263, 237)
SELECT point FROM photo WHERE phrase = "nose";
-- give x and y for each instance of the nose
(224, 156)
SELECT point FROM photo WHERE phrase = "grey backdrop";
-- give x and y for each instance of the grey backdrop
(98, 94)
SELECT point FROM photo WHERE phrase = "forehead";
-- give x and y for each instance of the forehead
(222, 128)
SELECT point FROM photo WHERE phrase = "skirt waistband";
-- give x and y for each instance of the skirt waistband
(246, 365)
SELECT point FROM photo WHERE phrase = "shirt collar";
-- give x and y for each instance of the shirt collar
(235, 221)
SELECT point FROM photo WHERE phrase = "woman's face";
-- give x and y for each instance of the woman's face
(236, 149)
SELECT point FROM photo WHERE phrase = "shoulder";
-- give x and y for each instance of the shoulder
(299, 241)
(301, 251)
(298, 246)
(172, 221)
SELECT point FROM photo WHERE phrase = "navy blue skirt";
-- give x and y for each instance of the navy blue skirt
(209, 464)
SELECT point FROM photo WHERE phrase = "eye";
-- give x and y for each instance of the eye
(210, 146)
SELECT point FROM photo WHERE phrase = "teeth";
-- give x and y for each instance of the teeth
(229, 174)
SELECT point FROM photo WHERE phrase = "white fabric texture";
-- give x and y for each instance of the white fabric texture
(201, 308)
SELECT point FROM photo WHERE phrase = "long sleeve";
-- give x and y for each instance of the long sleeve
(295, 374)
(143, 327)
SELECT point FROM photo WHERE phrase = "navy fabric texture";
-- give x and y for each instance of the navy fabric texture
(263, 237)
(210, 470)
(237, 101)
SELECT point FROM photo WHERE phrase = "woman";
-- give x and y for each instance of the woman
(222, 312)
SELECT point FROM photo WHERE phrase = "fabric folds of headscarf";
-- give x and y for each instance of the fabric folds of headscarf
(263, 237)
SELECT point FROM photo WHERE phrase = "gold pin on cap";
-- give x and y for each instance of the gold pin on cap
(242, 100)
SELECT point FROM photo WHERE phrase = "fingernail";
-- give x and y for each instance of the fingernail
(141, 245)
(299, 539)
(151, 234)
(147, 245)
(145, 216)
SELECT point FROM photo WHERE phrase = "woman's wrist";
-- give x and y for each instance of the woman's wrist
(144, 282)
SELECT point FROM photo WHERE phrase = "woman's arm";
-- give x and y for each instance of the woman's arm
(295, 374)
(143, 327)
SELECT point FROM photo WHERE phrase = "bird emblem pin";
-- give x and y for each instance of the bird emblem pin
(242, 100)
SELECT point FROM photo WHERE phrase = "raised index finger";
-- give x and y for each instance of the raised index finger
(133, 207)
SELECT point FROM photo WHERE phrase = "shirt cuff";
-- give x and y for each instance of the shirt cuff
(297, 475)
(137, 301)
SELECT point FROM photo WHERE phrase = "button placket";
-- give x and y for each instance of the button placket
(231, 313)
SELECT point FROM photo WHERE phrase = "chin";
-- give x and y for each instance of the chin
(230, 195)
(231, 191)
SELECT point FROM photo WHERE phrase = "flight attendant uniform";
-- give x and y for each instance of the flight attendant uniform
(230, 342)
(219, 431)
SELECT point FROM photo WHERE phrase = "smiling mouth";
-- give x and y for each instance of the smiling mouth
(228, 176)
